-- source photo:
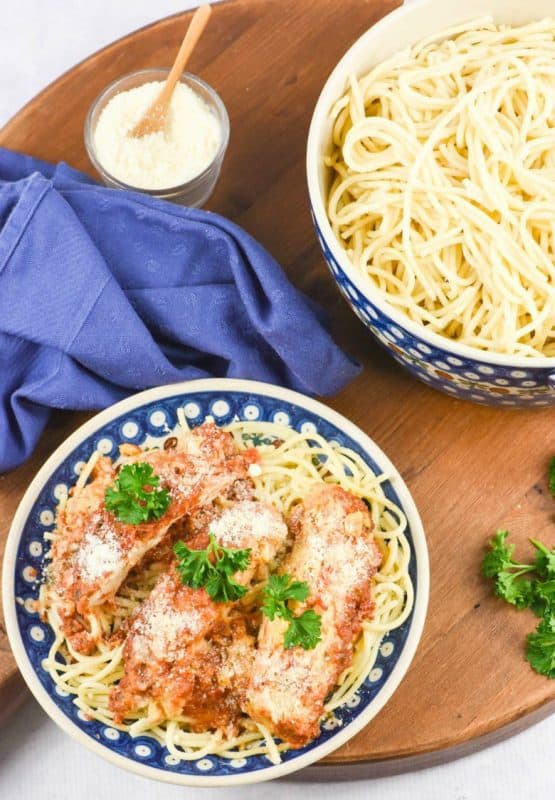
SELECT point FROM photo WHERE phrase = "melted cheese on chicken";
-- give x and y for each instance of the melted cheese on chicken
(247, 524)
(335, 553)
(95, 551)
(186, 655)
(173, 656)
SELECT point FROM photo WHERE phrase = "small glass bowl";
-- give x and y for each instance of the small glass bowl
(193, 193)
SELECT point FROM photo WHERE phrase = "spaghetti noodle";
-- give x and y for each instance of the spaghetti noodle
(444, 184)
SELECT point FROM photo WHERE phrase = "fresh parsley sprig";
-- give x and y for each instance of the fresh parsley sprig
(551, 476)
(528, 586)
(544, 563)
(213, 569)
(136, 495)
(303, 630)
(498, 563)
(541, 646)
(536, 591)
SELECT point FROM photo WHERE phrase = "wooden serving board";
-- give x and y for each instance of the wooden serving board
(470, 468)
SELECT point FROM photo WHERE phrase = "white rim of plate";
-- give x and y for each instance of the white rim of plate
(420, 553)
(325, 101)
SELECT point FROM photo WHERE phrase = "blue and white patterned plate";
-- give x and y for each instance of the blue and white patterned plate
(152, 413)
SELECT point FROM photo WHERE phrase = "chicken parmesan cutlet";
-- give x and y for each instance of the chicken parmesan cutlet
(185, 654)
(335, 553)
(93, 551)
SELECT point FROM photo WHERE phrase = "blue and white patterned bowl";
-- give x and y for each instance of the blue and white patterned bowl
(459, 370)
(152, 413)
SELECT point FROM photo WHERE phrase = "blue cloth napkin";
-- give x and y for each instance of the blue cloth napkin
(104, 292)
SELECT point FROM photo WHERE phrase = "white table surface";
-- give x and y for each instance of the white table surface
(40, 39)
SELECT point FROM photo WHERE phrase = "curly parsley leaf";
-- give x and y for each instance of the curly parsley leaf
(542, 601)
(536, 593)
(136, 495)
(304, 630)
(280, 589)
(193, 566)
(551, 476)
(544, 563)
(498, 563)
(213, 569)
(513, 589)
(541, 647)
(500, 556)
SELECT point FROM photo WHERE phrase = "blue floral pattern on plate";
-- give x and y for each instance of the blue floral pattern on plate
(155, 419)
(480, 381)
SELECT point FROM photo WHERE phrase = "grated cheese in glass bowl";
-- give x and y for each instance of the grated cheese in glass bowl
(181, 163)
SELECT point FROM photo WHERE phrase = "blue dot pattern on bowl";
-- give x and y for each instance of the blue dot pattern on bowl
(466, 378)
(148, 420)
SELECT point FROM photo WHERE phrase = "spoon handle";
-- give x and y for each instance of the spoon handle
(194, 32)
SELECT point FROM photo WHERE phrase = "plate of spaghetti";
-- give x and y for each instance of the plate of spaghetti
(215, 582)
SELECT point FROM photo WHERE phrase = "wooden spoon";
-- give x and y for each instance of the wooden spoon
(155, 117)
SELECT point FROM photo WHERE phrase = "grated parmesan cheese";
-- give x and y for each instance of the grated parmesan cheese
(248, 523)
(162, 631)
(98, 556)
(160, 160)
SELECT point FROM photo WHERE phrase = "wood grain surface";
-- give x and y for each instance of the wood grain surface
(470, 468)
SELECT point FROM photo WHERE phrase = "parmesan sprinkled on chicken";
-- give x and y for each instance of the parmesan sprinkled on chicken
(173, 652)
(186, 654)
(335, 553)
(95, 551)
(256, 525)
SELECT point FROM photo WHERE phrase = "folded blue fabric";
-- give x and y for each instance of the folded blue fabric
(103, 293)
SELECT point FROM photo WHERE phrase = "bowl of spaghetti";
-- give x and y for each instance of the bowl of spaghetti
(215, 582)
(431, 174)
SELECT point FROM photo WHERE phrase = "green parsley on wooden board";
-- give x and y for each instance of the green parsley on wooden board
(528, 585)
